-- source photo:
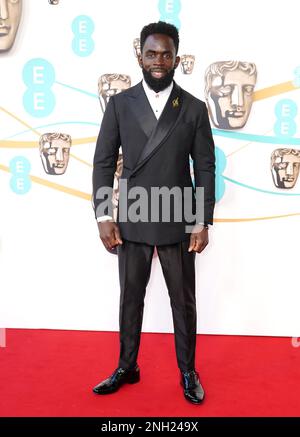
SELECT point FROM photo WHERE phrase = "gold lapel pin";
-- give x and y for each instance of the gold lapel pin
(175, 102)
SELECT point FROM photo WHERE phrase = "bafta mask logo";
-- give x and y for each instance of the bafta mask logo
(10, 15)
(229, 88)
(285, 165)
(53, 2)
(111, 84)
(137, 47)
(55, 152)
(115, 195)
(187, 63)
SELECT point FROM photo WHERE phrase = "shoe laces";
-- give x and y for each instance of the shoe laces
(117, 373)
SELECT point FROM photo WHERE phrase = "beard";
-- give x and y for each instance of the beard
(158, 84)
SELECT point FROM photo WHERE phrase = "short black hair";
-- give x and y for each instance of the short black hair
(160, 27)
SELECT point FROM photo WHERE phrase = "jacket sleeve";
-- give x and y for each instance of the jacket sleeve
(203, 155)
(105, 160)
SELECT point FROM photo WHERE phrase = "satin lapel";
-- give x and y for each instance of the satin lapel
(166, 124)
(142, 110)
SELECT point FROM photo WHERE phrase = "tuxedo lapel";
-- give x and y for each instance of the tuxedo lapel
(142, 110)
(165, 125)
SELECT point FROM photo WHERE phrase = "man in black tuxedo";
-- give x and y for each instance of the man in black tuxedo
(159, 126)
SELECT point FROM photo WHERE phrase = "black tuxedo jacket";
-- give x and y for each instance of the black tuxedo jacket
(156, 153)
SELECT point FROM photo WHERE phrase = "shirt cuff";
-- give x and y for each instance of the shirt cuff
(103, 218)
(204, 224)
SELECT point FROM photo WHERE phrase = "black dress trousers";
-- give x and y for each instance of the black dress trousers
(178, 266)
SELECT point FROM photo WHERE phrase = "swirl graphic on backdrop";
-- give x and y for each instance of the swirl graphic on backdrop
(229, 87)
(284, 140)
(111, 84)
(10, 16)
(187, 63)
(55, 152)
(53, 2)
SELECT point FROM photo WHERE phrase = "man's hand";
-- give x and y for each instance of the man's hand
(198, 239)
(109, 234)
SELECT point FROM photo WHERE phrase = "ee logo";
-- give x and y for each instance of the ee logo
(20, 182)
(83, 28)
(38, 76)
(285, 111)
(296, 81)
(221, 163)
(169, 10)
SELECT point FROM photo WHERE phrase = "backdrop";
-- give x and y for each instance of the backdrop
(243, 61)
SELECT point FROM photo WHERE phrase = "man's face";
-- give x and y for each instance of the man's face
(10, 15)
(285, 170)
(158, 56)
(55, 156)
(187, 64)
(230, 99)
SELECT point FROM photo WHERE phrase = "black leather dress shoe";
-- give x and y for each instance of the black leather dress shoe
(192, 389)
(117, 379)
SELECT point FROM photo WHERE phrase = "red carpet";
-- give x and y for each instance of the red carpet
(51, 373)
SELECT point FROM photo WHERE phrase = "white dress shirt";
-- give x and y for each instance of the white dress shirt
(157, 100)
